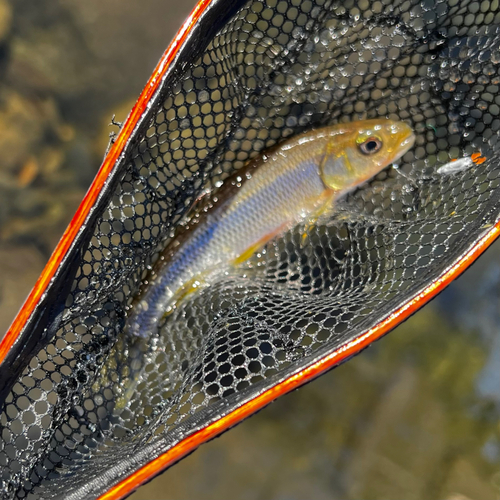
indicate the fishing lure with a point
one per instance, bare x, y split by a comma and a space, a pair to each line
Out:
460, 164
455, 166
297, 181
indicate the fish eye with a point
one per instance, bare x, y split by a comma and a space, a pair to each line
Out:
370, 145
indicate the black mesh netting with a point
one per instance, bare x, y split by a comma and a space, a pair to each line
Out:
95, 401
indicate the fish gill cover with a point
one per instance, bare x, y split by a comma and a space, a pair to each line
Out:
87, 404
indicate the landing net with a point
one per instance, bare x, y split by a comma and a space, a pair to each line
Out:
87, 405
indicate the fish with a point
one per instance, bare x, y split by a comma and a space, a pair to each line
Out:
299, 180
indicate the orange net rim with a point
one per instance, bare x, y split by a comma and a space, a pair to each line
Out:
126, 486
187, 445
110, 162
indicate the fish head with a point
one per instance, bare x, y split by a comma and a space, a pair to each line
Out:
360, 150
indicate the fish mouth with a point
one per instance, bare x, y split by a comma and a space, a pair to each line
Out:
407, 143
405, 140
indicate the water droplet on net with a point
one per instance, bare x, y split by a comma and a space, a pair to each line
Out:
325, 37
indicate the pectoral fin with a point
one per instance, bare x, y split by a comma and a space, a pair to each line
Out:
323, 209
258, 245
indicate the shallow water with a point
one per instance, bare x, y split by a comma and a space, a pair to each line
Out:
416, 416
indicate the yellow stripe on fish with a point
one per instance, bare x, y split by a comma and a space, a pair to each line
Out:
298, 181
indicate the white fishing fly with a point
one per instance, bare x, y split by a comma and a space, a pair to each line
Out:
455, 166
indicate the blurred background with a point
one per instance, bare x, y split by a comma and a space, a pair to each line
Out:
416, 416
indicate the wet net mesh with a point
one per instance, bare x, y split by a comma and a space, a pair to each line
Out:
96, 402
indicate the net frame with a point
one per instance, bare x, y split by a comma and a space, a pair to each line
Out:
23, 336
